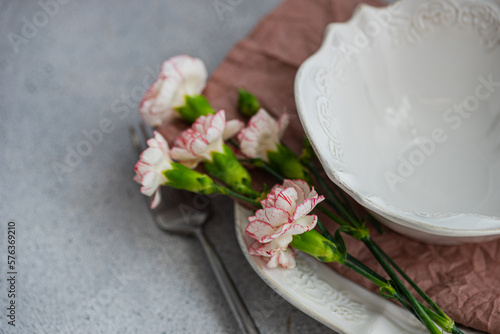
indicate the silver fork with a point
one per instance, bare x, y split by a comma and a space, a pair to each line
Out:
175, 215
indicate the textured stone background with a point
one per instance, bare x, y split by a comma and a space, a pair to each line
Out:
89, 257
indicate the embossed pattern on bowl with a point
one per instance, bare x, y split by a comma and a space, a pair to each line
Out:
402, 105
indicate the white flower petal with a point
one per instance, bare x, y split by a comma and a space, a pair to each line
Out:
232, 128
259, 230
156, 200
284, 215
153, 162
283, 124
273, 216
179, 76
287, 200
261, 135
198, 142
287, 259
306, 207
302, 225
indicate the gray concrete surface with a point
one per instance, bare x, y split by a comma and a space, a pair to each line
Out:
89, 258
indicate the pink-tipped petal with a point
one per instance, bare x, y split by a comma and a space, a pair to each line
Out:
302, 225
283, 124
284, 214
274, 256
287, 259
156, 200
306, 207
258, 230
273, 261
232, 128
262, 135
197, 143
151, 165
179, 76
273, 216
287, 200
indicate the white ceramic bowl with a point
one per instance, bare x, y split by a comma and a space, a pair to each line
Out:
402, 105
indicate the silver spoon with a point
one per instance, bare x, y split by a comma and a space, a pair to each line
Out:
182, 212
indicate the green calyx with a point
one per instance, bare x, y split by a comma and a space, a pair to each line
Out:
315, 244
248, 104
359, 232
387, 291
226, 167
307, 152
288, 164
194, 107
181, 177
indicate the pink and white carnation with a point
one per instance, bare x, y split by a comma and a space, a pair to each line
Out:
262, 134
179, 76
206, 135
149, 169
284, 214
282, 256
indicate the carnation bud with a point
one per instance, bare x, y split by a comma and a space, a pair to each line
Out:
182, 177
248, 104
315, 244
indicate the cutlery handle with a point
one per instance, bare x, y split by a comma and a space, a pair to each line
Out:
233, 298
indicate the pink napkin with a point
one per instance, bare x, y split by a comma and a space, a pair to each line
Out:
464, 280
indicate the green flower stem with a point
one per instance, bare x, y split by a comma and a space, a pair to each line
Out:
417, 307
404, 298
362, 270
325, 185
455, 330
349, 258
360, 264
259, 163
420, 311
332, 198
410, 281
226, 191
233, 142
349, 205
324, 231
356, 265
328, 248
332, 216
446, 322
375, 223
387, 290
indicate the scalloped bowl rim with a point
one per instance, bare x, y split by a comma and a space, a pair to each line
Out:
405, 218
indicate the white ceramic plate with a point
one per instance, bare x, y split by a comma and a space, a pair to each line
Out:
333, 300
402, 106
